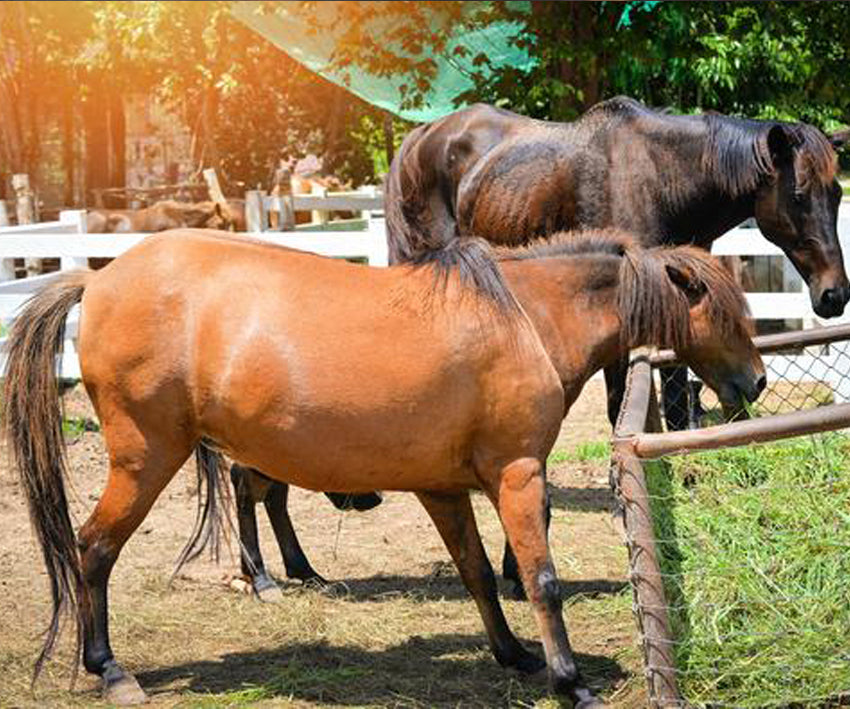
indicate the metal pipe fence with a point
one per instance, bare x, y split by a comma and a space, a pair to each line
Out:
808, 373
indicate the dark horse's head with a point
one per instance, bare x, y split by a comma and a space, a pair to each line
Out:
796, 207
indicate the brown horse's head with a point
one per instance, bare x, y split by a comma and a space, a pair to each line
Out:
797, 209
683, 298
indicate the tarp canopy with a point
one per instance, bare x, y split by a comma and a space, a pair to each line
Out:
288, 30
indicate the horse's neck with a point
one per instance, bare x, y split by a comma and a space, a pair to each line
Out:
574, 313
678, 201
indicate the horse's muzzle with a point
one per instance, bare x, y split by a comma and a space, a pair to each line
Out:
832, 302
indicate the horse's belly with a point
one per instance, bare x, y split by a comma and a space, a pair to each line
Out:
341, 454
352, 422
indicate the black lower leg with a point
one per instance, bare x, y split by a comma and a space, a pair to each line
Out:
296, 562
97, 565
251, 558
674, 389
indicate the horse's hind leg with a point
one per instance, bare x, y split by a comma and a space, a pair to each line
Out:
296, 562
249, 485
455, 520
520, 497
141, 464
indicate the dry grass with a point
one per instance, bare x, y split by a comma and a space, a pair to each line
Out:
399, 630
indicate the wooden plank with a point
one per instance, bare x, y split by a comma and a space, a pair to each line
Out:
211, 178
336, 225
42, 228
347, 202
766, 306
256, 216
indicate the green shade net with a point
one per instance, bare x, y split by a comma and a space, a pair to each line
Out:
288, 30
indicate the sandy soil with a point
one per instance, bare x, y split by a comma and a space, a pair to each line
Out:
396, 629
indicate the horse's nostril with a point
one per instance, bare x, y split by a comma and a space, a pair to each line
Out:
761, 383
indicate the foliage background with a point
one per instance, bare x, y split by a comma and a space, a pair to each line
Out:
68, 68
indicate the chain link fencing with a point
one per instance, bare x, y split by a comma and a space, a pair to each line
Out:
739, 533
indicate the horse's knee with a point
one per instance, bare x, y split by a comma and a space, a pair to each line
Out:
549, 590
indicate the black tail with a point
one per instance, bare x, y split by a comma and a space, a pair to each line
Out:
32, 423
213, 499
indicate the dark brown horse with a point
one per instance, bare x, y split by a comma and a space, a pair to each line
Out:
440, 388
668, 179
588, 349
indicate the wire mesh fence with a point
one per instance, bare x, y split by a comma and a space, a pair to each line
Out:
739, 556
800, 376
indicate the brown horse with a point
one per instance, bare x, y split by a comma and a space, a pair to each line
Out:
592, 345
440, 388
166, 215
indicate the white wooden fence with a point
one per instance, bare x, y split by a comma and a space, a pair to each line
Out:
67, 240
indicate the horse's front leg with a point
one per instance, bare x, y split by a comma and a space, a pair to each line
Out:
453, 516
248, 486
510, 568
519, 494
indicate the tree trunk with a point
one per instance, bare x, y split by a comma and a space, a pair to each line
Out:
97, 141
68, 152
117, 140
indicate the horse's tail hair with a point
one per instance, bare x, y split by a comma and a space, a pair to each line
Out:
32, 426
212, 518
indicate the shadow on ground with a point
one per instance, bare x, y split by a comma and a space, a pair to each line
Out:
438, 671
581, 499
442, 584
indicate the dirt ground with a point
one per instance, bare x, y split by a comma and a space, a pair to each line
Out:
396, 629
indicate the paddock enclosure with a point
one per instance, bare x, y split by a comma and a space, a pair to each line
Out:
397, 627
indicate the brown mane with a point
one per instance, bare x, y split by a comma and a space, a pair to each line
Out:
652, 308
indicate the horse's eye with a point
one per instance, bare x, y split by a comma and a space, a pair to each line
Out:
798, 197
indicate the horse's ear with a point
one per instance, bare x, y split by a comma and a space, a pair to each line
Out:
780, 144
684, 280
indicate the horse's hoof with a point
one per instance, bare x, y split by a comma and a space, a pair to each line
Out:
269, 594
123, 691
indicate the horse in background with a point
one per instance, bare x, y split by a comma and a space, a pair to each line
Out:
666, 178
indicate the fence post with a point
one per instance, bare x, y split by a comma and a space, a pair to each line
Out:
211, 178
256, 217
282, 193
77, 219
319, 216
638, 412
25, 208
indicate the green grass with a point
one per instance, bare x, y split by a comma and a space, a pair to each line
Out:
756, 542
585, 452
76, 426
